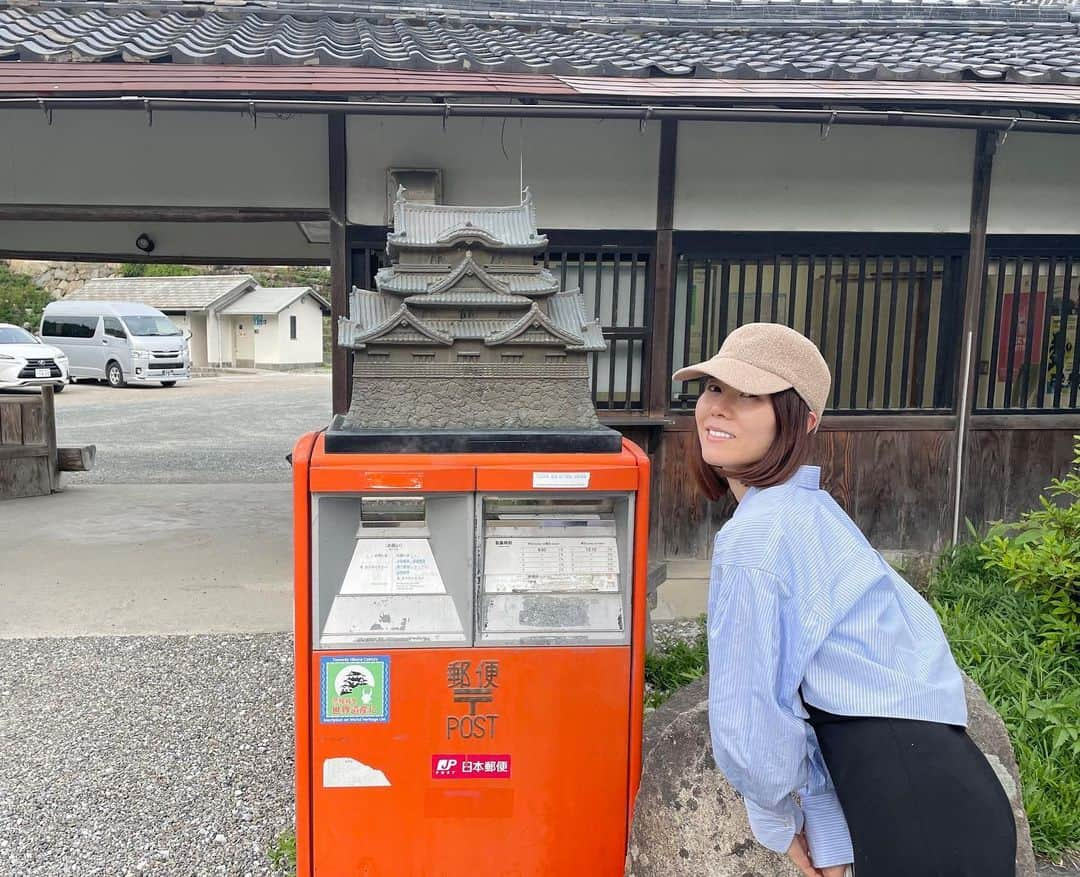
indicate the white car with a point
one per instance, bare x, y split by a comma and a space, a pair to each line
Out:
27, 362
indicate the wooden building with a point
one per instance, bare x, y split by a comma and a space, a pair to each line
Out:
898, 180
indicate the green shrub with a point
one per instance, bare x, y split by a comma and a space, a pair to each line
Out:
1040, 554
282, 853
145, 269
21, 300
998, 636
670, 668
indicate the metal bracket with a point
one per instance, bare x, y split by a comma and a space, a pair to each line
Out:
149, 114
644, 119
1004, 135
826, 127
254, 115
46, 109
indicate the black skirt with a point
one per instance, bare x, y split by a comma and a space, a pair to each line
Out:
920, 799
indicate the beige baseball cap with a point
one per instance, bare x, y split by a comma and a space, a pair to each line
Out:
765, 358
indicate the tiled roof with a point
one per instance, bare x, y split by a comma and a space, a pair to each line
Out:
405, 282
167, 293
417, 224
369, 308
568, 309
1010, 40
466, 299
273, 301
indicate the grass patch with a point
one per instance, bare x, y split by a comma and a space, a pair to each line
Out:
670, 668
282, 852
998, 638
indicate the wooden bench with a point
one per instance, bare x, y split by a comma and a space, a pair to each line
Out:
30, 461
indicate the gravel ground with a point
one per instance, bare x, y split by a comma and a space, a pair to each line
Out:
235, 428
159, 755
667, 633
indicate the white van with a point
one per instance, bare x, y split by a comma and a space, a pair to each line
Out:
117, 342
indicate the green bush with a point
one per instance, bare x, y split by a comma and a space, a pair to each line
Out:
282, 853
998, 634
1040, 554
144, 269
21, 301
670, 668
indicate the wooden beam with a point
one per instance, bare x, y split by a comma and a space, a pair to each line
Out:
132, 213
63, 256
77, 459
657, 378
18, 452
684, 422
966, 380
339, 260
998, 422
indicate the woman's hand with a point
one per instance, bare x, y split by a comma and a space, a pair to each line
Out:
798, 854
835, 871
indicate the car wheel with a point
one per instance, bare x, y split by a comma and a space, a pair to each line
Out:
168, 383
58, 388
114, 375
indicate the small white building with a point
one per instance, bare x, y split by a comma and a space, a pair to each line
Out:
277, 328
233, 321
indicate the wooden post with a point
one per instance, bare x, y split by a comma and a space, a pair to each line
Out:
48, 416
658, 379
339, 260
966, 380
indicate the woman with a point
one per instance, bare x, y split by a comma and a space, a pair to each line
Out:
835, 705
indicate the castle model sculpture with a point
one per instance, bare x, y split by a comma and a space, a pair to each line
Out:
467, 343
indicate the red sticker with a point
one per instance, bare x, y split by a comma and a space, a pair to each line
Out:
468, 766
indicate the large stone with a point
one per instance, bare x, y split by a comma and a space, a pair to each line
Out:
689, 822
988, 731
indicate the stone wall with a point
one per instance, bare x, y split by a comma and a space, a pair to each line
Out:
60, 279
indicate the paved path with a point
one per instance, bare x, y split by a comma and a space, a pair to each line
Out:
145, 559
184, 525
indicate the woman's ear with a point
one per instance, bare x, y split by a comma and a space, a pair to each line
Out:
812, 422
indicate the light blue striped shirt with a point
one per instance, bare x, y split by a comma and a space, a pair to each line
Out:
799, 597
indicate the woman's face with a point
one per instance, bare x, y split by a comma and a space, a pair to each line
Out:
735, 429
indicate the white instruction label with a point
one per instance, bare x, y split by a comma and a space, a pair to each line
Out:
531, 564
558, 480
392, 566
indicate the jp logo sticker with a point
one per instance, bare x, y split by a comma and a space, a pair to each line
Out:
355, 689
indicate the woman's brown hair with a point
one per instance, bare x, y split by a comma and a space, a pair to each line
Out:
789, 451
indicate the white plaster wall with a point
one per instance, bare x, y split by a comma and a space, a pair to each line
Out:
267, 344
1035, 186
175, 241
308, 344
183, 159
583, 173
219, 346
778, 177
198, 342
